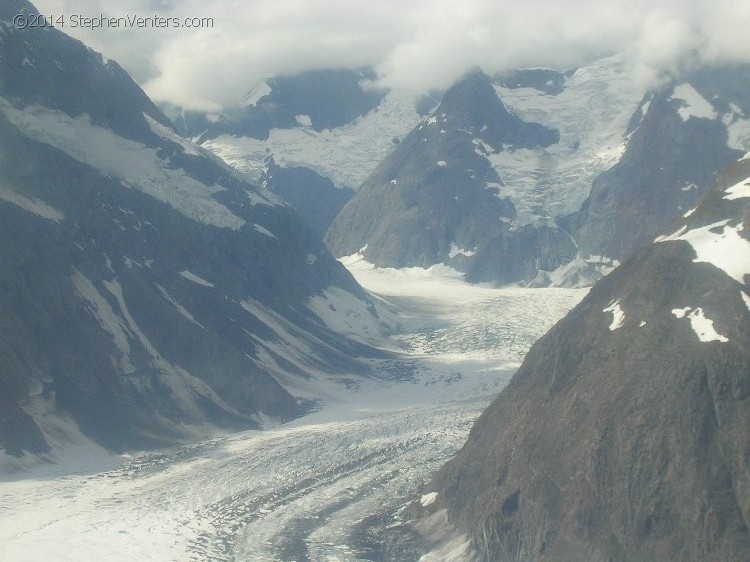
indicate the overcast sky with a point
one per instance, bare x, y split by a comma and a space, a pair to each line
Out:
416, 44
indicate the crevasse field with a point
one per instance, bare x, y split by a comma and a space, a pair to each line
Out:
299, 491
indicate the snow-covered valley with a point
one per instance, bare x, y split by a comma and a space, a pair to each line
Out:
302, 490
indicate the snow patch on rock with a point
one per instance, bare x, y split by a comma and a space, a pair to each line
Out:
726, 249
456, 251
428, 499
701, 325
618, 315
693, 104
739, 190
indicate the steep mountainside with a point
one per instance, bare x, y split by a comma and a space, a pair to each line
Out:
680, 139
626, 432
315, 197
147, 291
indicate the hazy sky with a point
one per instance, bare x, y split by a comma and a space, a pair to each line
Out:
415, 44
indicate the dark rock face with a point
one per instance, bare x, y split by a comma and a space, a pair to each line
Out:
314, 197
668, 165
330, 98
545, 80
436, 198
626, 432
146, 289
42, 66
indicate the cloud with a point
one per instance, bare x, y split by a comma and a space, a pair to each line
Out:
417, 44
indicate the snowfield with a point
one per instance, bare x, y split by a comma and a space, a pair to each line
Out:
299, 491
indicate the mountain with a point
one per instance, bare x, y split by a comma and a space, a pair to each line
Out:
322, 129
148, 292
679, 140
437, 197
625, 434
503, 227
320, 99
312, 195
559, 210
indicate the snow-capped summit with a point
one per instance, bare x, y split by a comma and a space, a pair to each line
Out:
149, 292
625, 433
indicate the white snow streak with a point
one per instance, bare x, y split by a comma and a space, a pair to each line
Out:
264, 230
107, 318
195, 279
34, 206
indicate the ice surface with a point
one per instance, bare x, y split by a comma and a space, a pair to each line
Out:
618, 316
693, 104
301, 490
726, 249
702, 326
135, 165
345, 154
592, 114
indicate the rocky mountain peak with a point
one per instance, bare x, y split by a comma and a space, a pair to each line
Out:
472, 106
